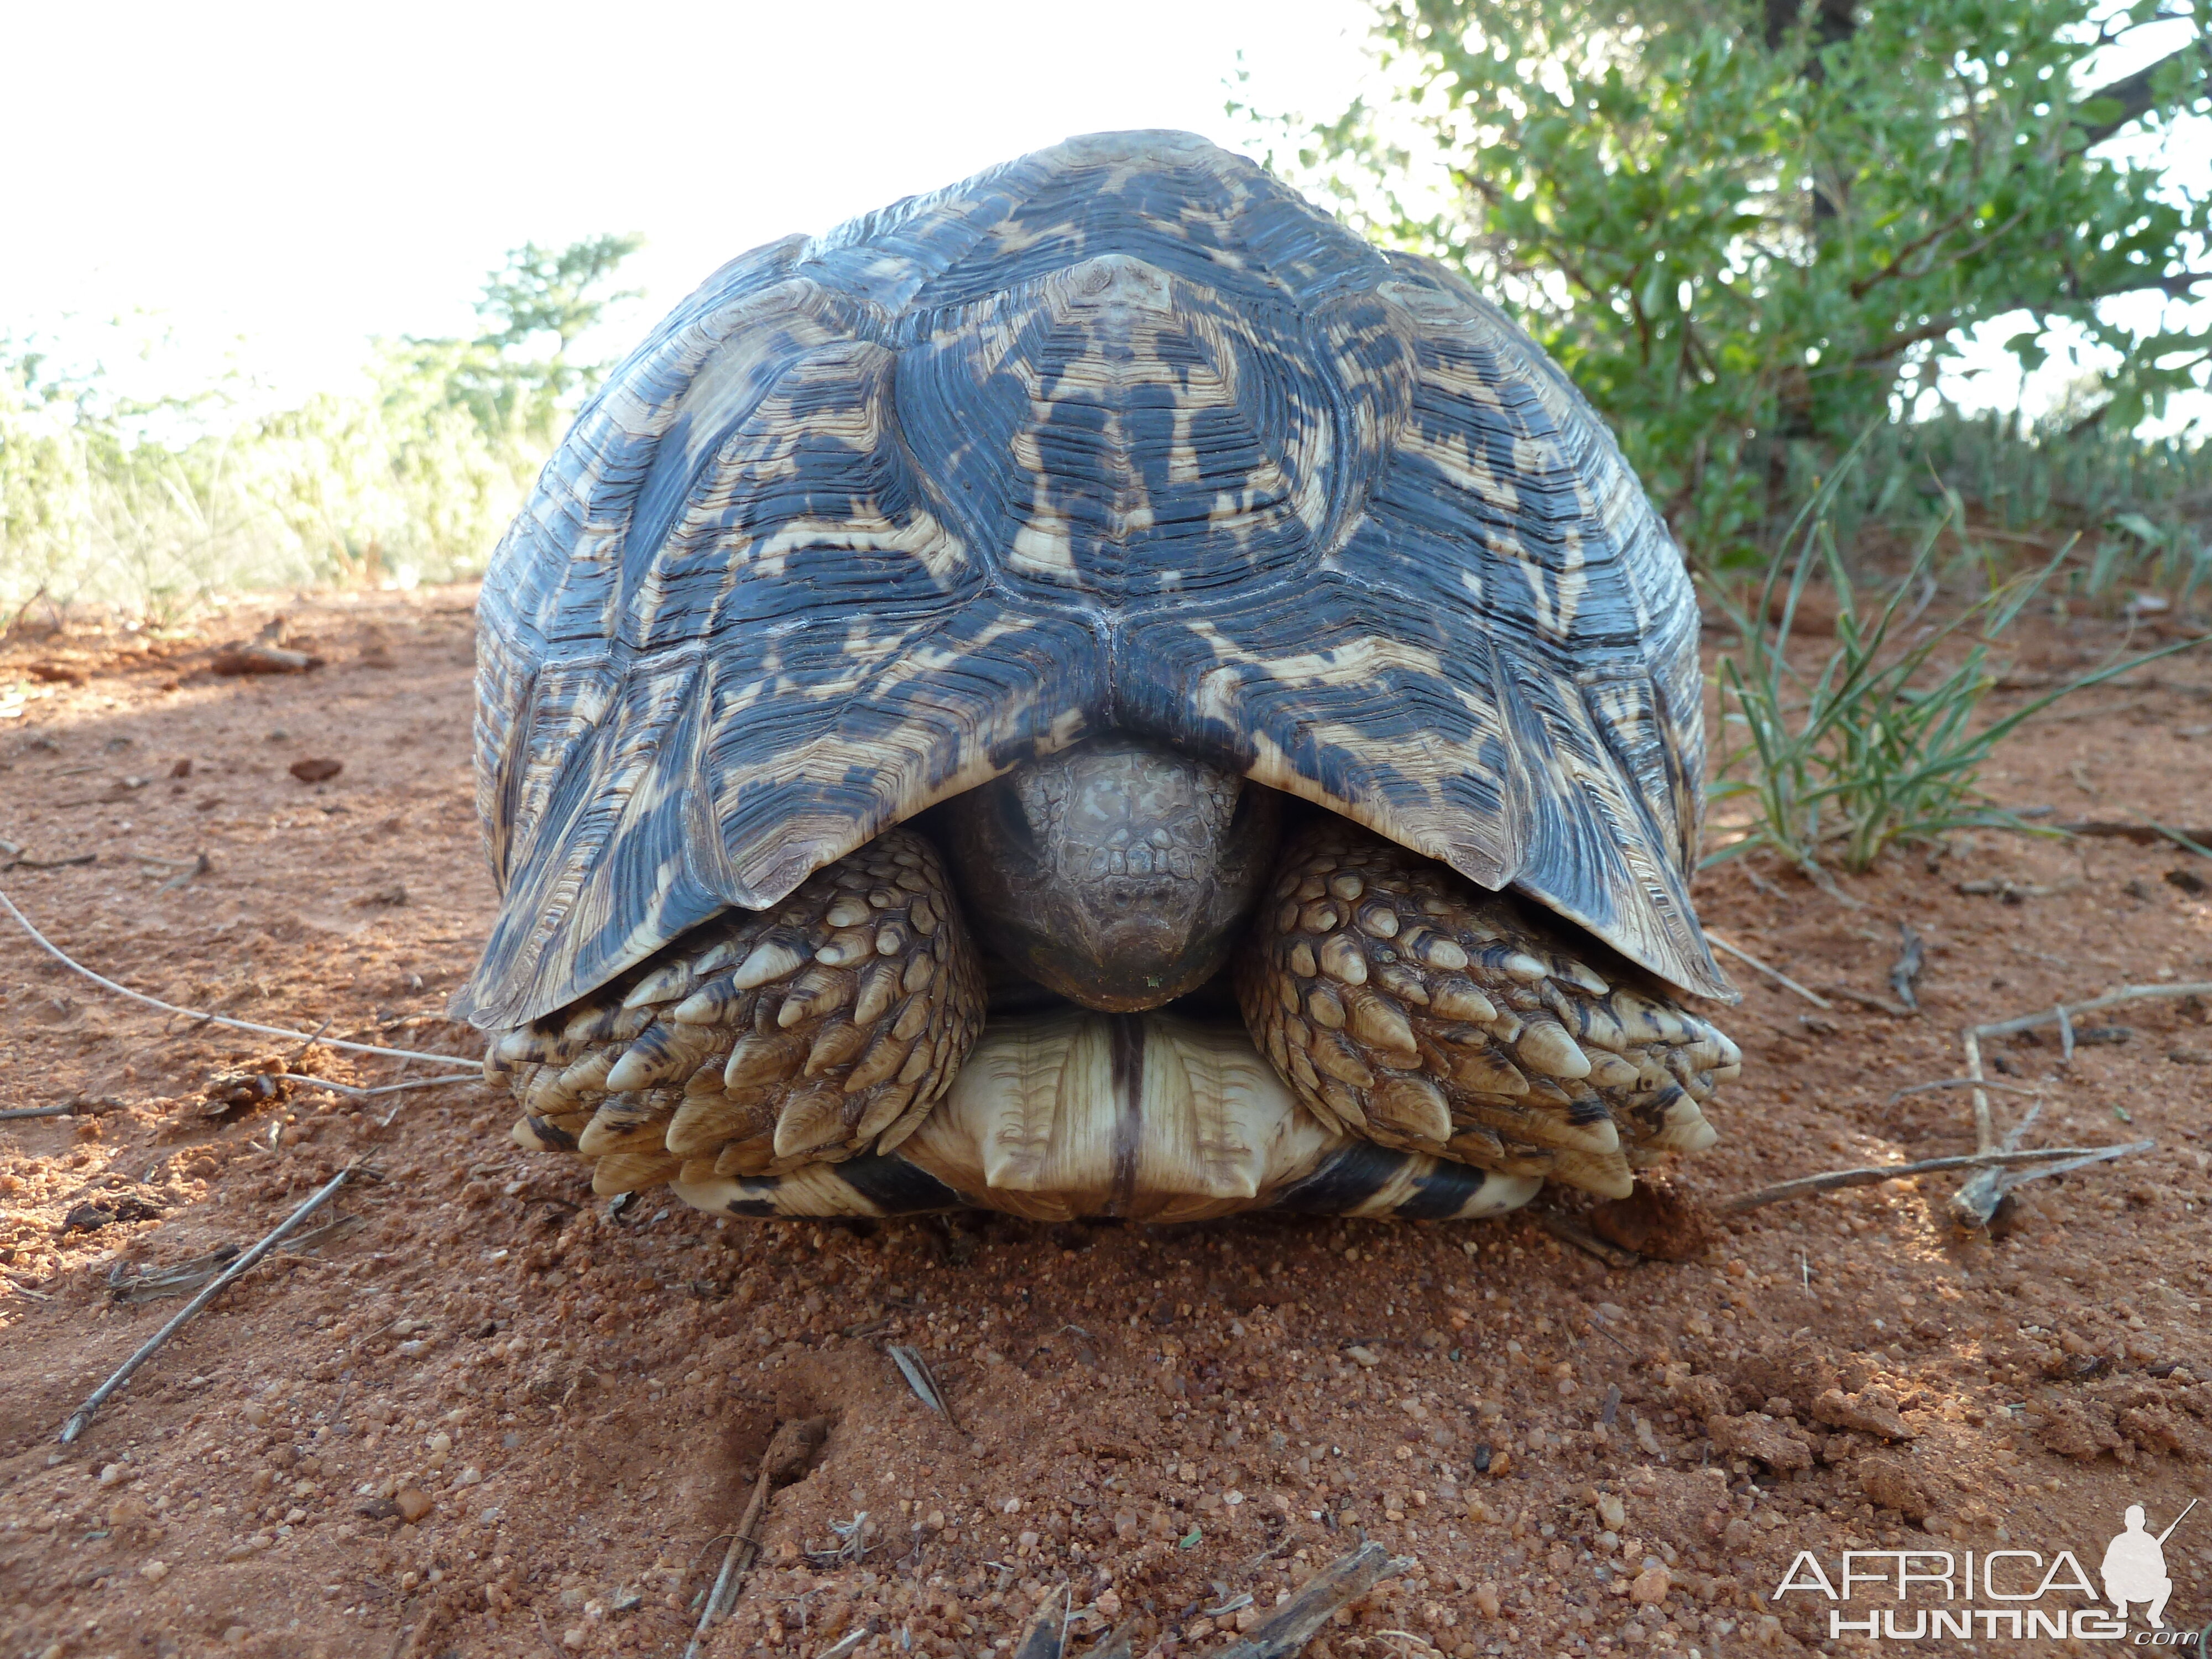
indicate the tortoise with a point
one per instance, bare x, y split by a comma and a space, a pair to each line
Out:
1094, 692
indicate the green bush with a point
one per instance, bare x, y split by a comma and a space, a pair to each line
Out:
1744, 231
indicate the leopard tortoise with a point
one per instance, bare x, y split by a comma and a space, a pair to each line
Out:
1093, 692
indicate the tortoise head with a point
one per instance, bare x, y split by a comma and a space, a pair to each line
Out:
1119, 874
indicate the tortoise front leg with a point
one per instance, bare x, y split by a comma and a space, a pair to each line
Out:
1408, 1006
764, 1042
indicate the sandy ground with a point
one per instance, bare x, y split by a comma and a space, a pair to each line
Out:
1578, 1458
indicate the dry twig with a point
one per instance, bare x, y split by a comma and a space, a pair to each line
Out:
82, 1415
2073, 1011
1904, 973
1774, 974
383, 1089
2187, 840
1338, 1584
1976, 1203
736, 1561
2064, 1157
1047, 1635
104, 983
1568, 1230
1871, 1002
2145, 832
919, 1377
790, 1449
1958, 1083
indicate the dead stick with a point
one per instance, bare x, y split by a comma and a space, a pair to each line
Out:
1774, 974
1875, 1175
1960, 1083
387, 1089
2143, 832
1985, 1131
15, 1113
2074, 1010
733, 1572
82, 1415
2186, 842
1975, 1201
104, 983
1342, 1582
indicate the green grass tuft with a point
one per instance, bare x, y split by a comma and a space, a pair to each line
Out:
1883, 740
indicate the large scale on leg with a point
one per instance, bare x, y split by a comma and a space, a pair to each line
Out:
1094, 691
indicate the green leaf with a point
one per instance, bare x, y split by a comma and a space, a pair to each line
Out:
1930, 177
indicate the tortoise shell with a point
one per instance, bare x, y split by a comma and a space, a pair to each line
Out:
1121, 435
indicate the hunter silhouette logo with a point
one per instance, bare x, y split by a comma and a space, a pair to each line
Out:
2003, 1594
2135, 1566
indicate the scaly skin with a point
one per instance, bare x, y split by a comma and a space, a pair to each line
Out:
764, 1041
1400, 1000
1399, 1004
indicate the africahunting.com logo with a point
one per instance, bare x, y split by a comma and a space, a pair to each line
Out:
1917, 1596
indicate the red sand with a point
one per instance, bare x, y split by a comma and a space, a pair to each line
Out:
1167, 1420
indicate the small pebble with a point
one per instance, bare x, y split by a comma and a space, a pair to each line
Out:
412, 1503
111, 1475
1650, 1587
154, 1572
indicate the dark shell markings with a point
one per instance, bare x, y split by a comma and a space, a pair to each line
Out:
1120, 440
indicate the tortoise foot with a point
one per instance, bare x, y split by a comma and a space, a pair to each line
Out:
762, 1042
1403, 1003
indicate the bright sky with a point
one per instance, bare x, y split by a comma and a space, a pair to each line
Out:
276, 184
307, 175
